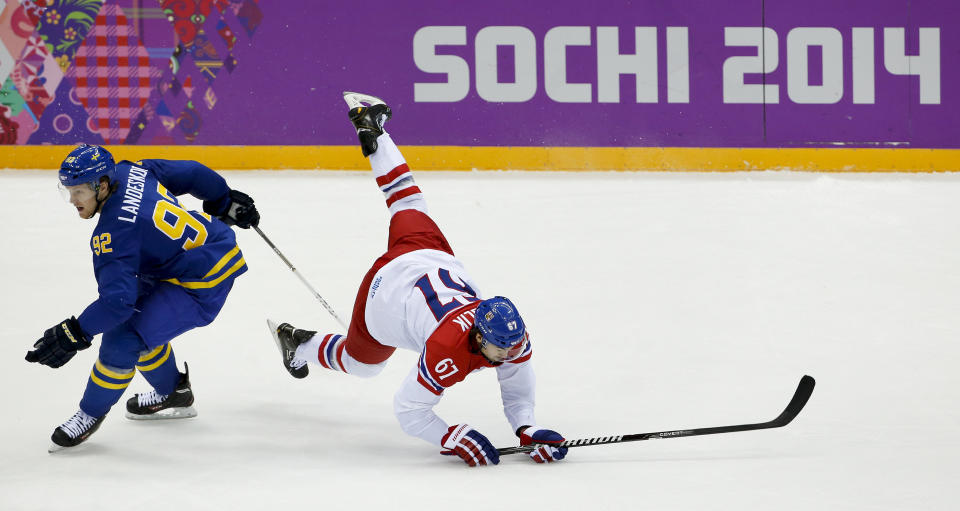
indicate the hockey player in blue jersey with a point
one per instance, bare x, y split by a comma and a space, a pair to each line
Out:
161, 270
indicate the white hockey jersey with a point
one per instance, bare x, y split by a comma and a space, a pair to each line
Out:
424, 301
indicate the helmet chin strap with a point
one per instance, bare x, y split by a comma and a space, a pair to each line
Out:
480, 345
96, 194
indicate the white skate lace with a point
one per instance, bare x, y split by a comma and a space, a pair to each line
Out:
296, 362
77, 424
150, 398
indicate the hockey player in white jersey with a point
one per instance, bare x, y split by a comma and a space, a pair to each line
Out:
419, 296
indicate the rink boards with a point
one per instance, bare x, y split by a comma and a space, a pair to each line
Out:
525, 158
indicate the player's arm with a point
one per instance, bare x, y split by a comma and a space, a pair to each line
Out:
116, 257
116, 260
413, 405
190, 177
117, 285
518, 392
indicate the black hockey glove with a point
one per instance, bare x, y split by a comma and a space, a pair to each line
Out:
239, 210
59, 344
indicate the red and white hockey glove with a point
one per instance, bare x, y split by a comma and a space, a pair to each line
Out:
547, 439
472, 447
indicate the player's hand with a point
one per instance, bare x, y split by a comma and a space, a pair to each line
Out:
472, 447
546, 440
59, 344
239, 210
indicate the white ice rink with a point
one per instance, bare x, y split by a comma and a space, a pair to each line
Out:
656, 301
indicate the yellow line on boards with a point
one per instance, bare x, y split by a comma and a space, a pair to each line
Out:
839, 159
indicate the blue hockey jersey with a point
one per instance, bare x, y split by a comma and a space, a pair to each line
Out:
145, 235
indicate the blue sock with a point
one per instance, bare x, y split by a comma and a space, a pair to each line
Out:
104, 388
114, 370
159, 367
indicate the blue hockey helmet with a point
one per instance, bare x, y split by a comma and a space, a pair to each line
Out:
500, 323
86, 164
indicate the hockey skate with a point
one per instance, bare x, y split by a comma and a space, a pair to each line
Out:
368, 114
75, 431
153, 406
288, 338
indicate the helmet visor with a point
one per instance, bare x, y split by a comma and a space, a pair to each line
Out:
498, 354
77, 193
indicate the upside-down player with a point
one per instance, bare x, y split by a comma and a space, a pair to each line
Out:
418, 296
161, 270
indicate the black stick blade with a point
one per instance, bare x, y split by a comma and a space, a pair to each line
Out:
799, 400
796, 404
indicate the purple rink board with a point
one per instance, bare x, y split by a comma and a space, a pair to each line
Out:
687, 73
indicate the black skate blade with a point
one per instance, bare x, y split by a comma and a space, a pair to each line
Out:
272, 325
180, 412
359, 99
55, 448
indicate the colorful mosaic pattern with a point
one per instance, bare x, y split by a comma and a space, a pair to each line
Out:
123, 71
112, 75
66, 121
63, 24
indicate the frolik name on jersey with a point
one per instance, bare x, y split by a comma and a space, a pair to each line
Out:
133, 193
465, 319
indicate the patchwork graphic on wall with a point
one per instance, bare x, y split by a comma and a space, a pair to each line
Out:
637, 73
125, 71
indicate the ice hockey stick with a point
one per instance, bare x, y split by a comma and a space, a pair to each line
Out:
800, 397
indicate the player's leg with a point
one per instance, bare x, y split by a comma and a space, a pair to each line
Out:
410, 229
113, 371
158, 365
301, 348
165, 313
413, 229
171, 396
359, 353
394, 178
109, 378
368, 114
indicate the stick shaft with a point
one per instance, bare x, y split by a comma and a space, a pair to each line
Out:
299, 276
800, 398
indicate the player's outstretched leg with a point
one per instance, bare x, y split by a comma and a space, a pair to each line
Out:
389, 167
299, 347
73, 432
176, 405
288, 339
368, 113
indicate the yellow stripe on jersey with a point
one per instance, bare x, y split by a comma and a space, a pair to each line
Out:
223, 262
207, 284
212, 283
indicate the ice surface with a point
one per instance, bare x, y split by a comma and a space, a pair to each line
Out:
655, 301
